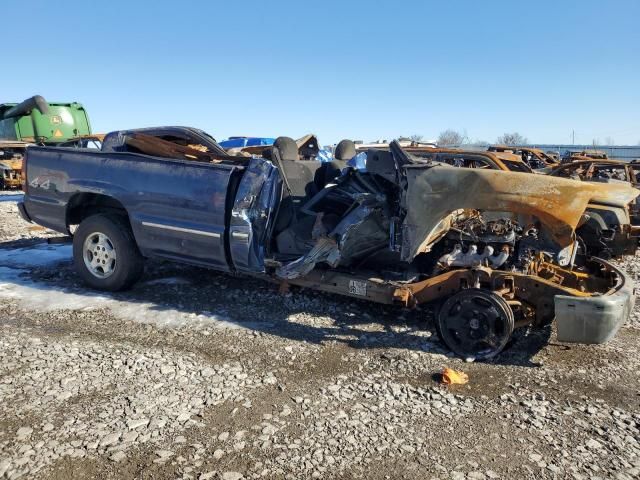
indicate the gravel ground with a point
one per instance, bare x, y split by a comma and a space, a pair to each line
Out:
199, 375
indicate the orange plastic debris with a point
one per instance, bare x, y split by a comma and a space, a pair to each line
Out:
454, 377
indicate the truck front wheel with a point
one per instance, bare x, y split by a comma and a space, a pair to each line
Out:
105, 253
475, 323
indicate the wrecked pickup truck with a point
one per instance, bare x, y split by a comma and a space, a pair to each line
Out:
496, 250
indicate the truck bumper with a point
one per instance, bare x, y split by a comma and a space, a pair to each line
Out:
595, 319
23, 212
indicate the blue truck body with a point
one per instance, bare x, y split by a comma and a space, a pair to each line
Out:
193, 212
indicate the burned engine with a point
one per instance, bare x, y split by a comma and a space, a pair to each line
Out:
487, 240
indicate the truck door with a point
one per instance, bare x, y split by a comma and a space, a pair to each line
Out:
178, 210
253, 214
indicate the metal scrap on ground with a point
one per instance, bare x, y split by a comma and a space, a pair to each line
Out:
454, 377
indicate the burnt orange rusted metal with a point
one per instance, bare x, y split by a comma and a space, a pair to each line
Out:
532, 295
497, 160
437, 192
11, 174
537, 153
588, 155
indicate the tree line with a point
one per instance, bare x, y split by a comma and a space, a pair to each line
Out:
451, 137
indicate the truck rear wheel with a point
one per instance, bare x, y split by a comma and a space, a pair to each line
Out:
475, 323
105, 253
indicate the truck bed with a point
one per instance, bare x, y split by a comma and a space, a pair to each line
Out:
177, 209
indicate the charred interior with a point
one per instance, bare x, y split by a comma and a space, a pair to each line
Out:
356, 221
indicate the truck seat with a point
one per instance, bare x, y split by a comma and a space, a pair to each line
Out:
299, 179
344, 152
299, 175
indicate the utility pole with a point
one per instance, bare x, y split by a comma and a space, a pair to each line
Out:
573, 137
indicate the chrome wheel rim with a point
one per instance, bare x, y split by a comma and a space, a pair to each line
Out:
99, 255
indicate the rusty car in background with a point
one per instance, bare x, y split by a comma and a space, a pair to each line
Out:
11, 164
536, 158
609, 227
505, 161
603, 171
496, 249
580, 155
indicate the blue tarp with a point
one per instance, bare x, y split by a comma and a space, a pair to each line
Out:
241, 142
324, 156
359, 162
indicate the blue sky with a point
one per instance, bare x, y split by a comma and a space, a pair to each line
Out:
362, 70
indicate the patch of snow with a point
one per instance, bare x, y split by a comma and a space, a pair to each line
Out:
37, 256
40, 296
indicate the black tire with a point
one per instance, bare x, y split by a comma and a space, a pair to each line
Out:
475, 323
123, 268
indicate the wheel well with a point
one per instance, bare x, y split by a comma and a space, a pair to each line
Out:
83, 205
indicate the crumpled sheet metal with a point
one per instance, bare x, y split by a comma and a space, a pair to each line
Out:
434, 193
324, 250
344, 241
252, 213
